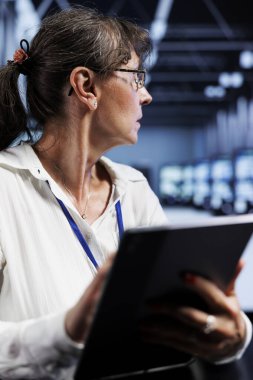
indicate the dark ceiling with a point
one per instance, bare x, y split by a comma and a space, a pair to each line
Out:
203, 38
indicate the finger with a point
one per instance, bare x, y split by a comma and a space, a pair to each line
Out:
79, 318
192, 317
188, 342
174, 334
231, 286
224, 325
213, 296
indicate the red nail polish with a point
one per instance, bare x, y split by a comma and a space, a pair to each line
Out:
189, 278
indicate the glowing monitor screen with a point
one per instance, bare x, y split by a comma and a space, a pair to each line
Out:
187, 183
221, 169
201, 171
244, 164
170, 179
221, 178
201, 184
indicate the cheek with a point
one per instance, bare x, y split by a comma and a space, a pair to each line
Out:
119, 102
128, 106
124, 95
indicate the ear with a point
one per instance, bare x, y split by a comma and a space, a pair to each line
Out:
82, 82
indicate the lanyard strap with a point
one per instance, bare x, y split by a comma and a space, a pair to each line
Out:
119, 219
79, 235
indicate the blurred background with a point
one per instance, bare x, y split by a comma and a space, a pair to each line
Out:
196, 142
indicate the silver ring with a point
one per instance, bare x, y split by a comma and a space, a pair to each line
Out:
210, 324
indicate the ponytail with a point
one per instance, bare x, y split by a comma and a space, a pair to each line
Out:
13, 117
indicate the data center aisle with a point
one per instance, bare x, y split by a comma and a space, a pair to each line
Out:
177, 214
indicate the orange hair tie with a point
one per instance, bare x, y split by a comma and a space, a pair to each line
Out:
20, 56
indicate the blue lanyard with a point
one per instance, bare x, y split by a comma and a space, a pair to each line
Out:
79, 235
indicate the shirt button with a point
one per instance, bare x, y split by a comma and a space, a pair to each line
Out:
14, 350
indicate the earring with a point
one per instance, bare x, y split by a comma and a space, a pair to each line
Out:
95, 104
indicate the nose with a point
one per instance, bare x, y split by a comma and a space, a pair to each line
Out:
145, 97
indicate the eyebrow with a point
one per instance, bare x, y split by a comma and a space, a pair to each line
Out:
135, 68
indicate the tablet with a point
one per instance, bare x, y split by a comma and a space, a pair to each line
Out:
149, 264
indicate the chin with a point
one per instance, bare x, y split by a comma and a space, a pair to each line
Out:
133, 139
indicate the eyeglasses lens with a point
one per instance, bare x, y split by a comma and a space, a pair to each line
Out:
140, 80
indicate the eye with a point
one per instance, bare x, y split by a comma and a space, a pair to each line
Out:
139, 80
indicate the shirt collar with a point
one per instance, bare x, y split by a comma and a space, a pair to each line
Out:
121, 174
23, 157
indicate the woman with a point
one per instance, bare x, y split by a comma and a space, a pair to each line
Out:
85, 89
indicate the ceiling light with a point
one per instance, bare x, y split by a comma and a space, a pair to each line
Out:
224, 80
246, 59
234, 79
237, 79
214, 91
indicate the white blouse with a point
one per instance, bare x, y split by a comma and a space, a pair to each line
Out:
43, 268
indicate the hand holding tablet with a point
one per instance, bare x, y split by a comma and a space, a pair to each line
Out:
183, 270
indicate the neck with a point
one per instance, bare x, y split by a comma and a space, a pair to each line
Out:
70, 161
70, 155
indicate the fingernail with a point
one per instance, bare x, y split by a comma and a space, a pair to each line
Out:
189, 278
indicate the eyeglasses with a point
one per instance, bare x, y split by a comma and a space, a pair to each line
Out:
139, 79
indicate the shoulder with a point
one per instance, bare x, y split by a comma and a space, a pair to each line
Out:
15, 162
6, 167
9, 163
15, 157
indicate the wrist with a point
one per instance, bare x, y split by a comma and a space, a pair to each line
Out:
74, 326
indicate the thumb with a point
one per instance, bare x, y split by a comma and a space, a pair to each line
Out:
231, 287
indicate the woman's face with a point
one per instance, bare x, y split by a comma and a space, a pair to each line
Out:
120, 106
